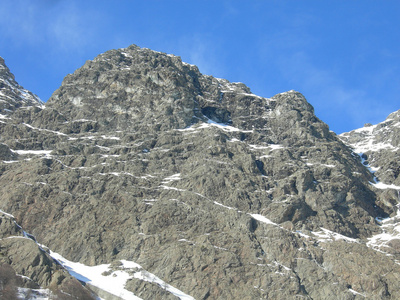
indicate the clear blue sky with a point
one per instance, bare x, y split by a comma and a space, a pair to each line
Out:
343, 55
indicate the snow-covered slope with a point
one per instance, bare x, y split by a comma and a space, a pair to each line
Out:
374, 138
379, 149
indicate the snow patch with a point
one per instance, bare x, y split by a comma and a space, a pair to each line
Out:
34, 294
263, 219
146, 276
47, 130
356, 293
172, 178
34, 152
6, 214
114, 282
194, 128
383, 186
390, 231
328, 236
171, 188
228, 207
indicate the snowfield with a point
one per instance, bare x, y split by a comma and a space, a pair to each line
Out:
114, 282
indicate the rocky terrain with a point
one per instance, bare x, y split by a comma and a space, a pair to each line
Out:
209, 188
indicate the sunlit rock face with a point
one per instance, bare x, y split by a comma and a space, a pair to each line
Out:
12, 95
216, 191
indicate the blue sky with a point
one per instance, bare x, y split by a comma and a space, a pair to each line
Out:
343, 55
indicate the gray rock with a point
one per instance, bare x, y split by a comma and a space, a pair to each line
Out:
33, 265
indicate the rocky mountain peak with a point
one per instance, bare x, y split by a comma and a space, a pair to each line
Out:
12, 95
138, 89
4, 71
120, 87
223, 193
379, 147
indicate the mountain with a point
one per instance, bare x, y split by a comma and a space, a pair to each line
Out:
12, 95
188, 186
379, 149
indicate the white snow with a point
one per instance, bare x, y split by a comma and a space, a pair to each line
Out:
146, 276
253, 95
303, 235
114, 283
171, 178
263, 219
130, 264
371, 145
35, 152
220, 248
368, 141
382, 186
47, 130
8, 215
258, 147
390, 231
171, 188
110, 137
210, 124
187, 241
366, 129
215, 202
276, 147
80, 120
226, 127
328, 236
149, 200
126, 54
329, 166
34, 294
325, 165
356, 293
278, 264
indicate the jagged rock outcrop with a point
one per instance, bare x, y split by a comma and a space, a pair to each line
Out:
12, 95
33, 266
220, 192
379, 147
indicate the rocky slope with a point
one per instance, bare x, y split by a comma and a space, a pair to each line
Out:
379, 148
32, 266
219, 192
12, 95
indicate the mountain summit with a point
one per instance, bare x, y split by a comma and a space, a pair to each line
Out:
203, 187
12, 95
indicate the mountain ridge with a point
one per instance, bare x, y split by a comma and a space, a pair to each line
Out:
220, 192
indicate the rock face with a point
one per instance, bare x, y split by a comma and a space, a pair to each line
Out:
219, 192
12, 95
34, 267
379, 147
